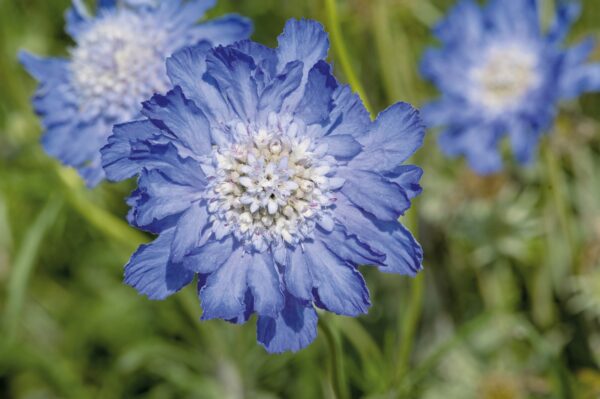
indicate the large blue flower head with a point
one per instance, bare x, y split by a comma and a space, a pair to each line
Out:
266, 178
117, 62
501, 74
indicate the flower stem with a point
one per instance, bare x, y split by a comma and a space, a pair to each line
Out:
556, 186
412, 313
340, 49
337, 358
101, 219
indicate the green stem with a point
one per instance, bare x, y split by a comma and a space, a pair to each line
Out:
340, 49
104, 221
25, 263
556, 186
337, 358
412, 313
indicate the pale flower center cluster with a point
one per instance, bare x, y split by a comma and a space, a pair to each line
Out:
505, 76
272, 185
117, 63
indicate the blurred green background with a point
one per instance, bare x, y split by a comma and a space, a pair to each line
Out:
508, 306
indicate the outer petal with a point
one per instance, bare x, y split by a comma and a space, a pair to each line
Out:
232, 72
264, 282
464, 24
43, 69
302, 40
77, 18
338, 287
188, 231
403, 253
224, 30
158, 198
272, 98
224, 293
349, 115
375, 194
293, 329
341, 146
317, 102
182, 119
185, 69
396, 134
150, 272
298, 279
350, 248
210, 256
515, 18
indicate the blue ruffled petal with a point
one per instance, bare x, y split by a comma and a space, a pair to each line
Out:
272, 98
188, 231
375, 194
208, 257
396, 134
403, 254
265, 285
152, 274
293, 329
182, 119
223, 296
232, 72
338, 287
317, 102
224, 30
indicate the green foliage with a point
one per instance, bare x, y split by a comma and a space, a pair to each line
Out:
508, 306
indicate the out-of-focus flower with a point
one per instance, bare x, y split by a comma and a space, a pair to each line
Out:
117, 62
266, 178
501, 74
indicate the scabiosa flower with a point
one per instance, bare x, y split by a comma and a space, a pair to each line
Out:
266, 178
117, 62
501, 74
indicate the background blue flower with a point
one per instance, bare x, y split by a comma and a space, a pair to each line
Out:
266, 178
501, 74
117, 62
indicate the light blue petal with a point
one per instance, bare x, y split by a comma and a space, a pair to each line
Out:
374, 194
43, 69
349, 248
566, 14
159, 198
341, 146
265, 284
210, 256
317, 102
338, 287
188, 231
150, 272
349, 115
185, 69
396, 134
403, 254
464, 24
77, 18
272, 98
223, 295
514, 18
182, 119
294, 329
232, 72
297, 277
223, 30
408, 177
302, 40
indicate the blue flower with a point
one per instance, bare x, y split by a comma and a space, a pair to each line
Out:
117, 62
500, 75
266, 178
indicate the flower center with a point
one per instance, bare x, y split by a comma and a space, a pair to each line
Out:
505, 76
118, 63
271, 185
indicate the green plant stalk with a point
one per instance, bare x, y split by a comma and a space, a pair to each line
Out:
102, 220
25, 263
336, 356
556, 186
339, 46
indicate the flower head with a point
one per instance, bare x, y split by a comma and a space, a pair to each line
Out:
117, 62
501, 74
265, 177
